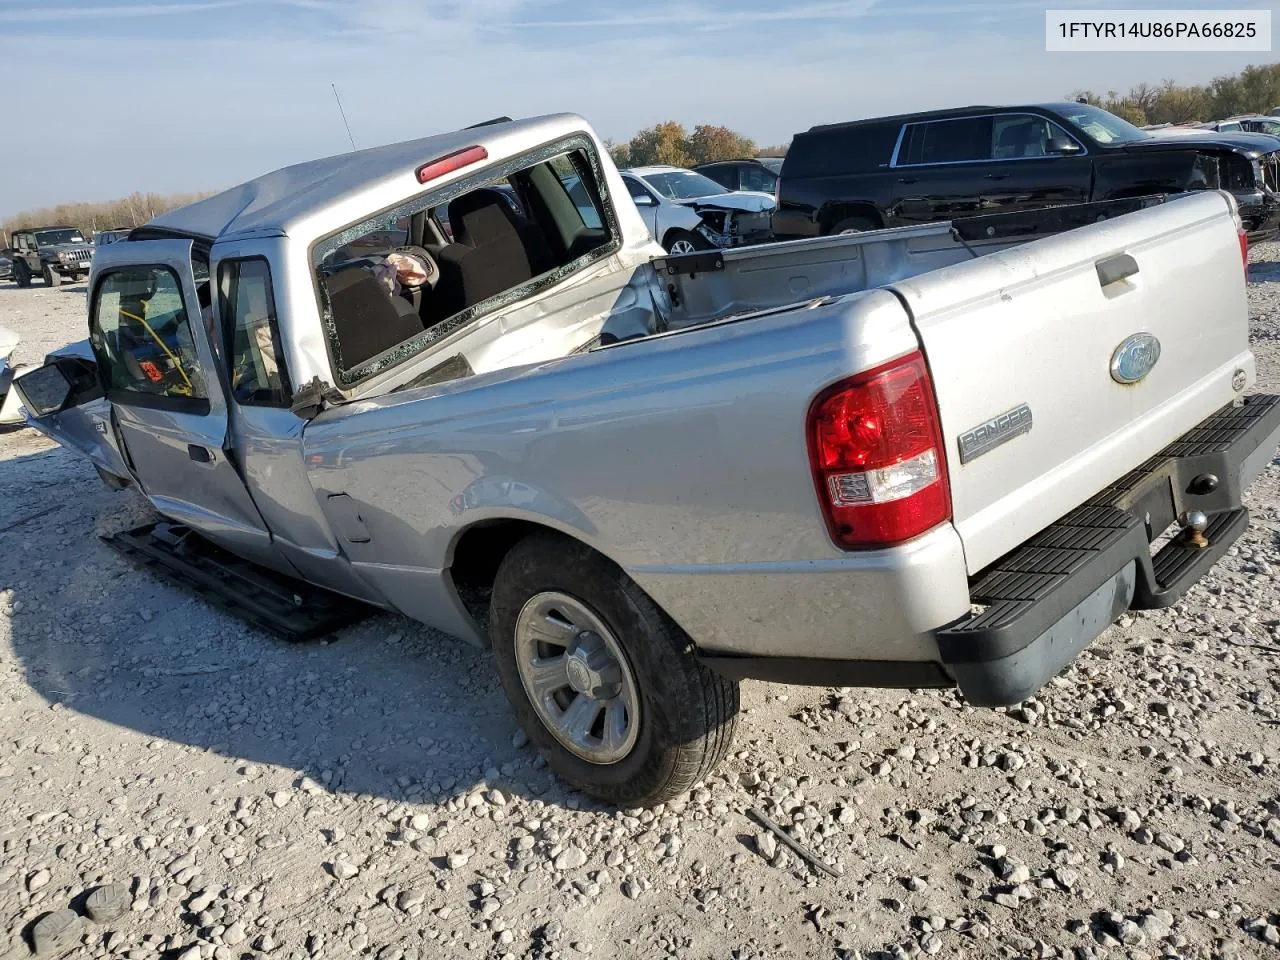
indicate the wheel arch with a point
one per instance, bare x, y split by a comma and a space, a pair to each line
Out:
833, 213
477, 550
671, 231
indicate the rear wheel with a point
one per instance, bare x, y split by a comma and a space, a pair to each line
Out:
680, 242
603, 682
855, 225
21, 273
52, 278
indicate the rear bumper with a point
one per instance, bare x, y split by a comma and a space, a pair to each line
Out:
1046, 601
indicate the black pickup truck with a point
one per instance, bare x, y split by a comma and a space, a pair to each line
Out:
949, 164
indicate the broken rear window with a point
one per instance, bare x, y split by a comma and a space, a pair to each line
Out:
466, 250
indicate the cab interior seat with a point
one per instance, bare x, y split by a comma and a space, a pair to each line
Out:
368, 319
567, 237
493, 250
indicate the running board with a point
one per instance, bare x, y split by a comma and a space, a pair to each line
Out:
290, 608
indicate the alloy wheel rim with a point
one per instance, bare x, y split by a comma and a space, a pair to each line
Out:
683, 246
577, 677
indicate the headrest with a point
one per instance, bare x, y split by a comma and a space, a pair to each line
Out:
1017, 135
481, 215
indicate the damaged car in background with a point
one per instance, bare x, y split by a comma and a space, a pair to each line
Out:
948, 455
686, 211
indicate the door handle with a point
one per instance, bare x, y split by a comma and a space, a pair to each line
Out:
908, 180
199, 454
1114, 269
997, 176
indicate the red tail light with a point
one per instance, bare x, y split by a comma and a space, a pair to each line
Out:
879, 464
451, 162
1243, 237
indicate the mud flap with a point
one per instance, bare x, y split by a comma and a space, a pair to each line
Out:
290, 608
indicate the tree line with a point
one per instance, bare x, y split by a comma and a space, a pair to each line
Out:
131, 211
670, 143
1255, 89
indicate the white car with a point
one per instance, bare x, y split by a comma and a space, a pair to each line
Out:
686, 211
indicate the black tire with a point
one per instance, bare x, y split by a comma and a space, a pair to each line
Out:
855, 225
52, 278
21, 273
682, 237
688, 713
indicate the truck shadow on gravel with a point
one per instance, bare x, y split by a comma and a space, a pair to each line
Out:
387, 708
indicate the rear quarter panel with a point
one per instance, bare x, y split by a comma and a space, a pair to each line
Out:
682, 458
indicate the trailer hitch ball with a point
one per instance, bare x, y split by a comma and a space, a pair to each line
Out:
1194, 523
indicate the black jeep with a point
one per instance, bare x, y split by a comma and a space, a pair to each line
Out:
52, 253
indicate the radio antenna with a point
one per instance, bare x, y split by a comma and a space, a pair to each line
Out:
344, 115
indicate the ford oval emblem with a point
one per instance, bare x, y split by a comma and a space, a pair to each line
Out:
1134, 358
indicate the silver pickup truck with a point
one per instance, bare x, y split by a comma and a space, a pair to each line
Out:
945, 455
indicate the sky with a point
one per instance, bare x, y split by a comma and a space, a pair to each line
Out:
108, 97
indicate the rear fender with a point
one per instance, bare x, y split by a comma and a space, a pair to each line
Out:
833, 213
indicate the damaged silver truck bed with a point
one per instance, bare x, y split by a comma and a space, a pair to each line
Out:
921, 457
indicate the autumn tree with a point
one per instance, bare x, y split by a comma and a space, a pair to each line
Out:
1128, 110
670, 143
664, 142
1179, 104
1254, 89
708, 144
620, 153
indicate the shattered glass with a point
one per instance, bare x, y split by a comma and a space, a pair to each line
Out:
579, 151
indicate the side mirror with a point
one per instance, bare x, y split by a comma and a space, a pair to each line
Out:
1063, 147
43, 391
645, 201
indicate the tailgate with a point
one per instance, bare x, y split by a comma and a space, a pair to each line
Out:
1027, 338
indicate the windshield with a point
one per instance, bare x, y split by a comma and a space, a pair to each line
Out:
1265, 126
47, 238
1102, 126
683, 184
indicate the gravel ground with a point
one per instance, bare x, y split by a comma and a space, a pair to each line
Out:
175, 784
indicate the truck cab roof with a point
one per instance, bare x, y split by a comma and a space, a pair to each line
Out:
307, 199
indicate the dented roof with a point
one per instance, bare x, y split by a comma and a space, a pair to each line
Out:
318, 195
